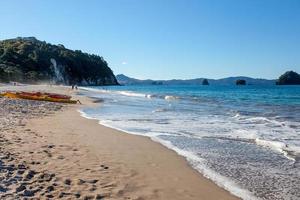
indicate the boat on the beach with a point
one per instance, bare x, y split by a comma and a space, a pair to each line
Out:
40, 96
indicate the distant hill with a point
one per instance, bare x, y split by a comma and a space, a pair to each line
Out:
26, 59
125, 80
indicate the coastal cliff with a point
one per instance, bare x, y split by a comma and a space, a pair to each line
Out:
28, 60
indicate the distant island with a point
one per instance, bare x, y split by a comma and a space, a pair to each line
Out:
125, 80
28, 60
289, 78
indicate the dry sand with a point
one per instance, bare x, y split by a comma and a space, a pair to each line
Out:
50, 151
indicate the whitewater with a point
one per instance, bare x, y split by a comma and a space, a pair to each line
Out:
246, 139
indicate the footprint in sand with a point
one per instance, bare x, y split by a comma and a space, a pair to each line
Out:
46, 177
89, 197
92, 181
48, 153
30, 175
67, 182
80, 182
104, 167
50, 188
99, 196
77, 195
60, 157
63, 194
93, 188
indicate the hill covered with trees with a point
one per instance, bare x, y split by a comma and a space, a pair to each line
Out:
29, 60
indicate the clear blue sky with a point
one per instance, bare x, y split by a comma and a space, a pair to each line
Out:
163, 39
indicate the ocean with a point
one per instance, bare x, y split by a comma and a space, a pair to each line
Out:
244, 138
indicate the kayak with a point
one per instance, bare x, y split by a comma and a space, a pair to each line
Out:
39, 97
58, 96
51, 95
9, 95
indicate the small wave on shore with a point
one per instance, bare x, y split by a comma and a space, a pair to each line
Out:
132, 94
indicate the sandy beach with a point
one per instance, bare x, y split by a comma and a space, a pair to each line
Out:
49, 151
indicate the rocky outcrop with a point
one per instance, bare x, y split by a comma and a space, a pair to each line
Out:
289, 78
240, 82
205, 82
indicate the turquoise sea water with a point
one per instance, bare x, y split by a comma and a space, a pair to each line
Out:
245, 138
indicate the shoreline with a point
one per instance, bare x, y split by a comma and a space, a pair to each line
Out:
192, 161
125, 165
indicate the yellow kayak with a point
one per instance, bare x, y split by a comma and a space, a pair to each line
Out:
9, 95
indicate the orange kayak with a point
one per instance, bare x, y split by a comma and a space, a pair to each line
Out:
51, 95
38, 97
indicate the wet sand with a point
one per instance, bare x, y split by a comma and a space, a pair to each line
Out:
49, 151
